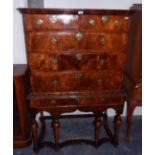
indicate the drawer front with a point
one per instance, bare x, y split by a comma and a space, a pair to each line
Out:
50, 22
46, 42
36, 103
76, 61
44, 62
103, 41
111, 61
109, 23
101, 100
75, 81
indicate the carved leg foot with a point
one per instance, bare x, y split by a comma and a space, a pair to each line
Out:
106, 127
97, 129
117, 125
35, 136
129, 120
56, 125
43, 127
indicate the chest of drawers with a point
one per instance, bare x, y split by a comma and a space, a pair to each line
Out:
76, 62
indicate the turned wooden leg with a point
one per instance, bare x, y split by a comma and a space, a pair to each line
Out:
97, 129
35, 135
56, 125
106, 126
43, 127
117, 125
131, 108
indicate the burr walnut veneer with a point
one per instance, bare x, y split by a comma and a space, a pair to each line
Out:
76, 62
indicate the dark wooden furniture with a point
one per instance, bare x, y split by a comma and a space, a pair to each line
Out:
76, 60
133, 101
134, 66
21, 120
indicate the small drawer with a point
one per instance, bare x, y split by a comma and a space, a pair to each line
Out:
47, 42
46, 103
111, 60
104, 23
78, 61
43, 62
50, 22
76, 81
101, 100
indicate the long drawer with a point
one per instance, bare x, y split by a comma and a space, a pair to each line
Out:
35, 103
76, 61
46, 42
76, 81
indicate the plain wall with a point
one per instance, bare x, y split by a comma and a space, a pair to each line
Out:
19, 52
102, 4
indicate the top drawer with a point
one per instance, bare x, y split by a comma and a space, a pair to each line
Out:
50, 22
88, 23
103, 23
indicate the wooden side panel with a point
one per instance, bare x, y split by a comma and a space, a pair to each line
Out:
134, 52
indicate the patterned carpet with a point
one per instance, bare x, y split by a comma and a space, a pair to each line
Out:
83, 128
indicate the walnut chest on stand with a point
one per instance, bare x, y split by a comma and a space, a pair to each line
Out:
76, 62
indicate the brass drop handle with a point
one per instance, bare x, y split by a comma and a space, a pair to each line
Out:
55, 83
116, 22
79, 36
53, 40
52, 19
79, 56
92, 22
66, 21
103, 99
137, 86
101, 61
105, 19
126, 17
54, 61
77, 100
53, 101
102, 40
78, 76
39, 22
99, 81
